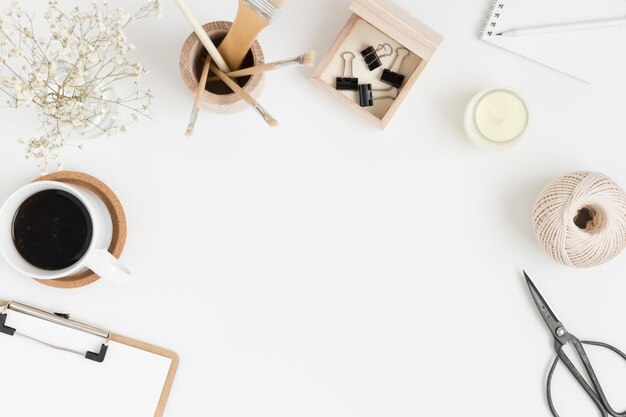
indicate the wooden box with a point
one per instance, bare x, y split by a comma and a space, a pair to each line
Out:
375, 22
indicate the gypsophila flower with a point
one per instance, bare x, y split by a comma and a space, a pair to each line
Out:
67, 76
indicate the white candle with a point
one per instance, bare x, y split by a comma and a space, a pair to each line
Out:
496, 118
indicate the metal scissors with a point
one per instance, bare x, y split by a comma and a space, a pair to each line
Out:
561, 338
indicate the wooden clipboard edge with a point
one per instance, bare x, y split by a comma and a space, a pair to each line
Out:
169, 381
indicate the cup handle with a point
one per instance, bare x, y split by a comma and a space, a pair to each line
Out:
108, 267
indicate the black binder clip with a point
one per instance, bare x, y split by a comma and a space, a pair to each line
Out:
367, 97
371, 57
3, 327
343, 82
391, 77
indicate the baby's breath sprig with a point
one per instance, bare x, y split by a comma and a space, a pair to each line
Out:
68, 75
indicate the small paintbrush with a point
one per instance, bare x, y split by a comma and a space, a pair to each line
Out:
307, 60
199, 93
204, 38
245, 96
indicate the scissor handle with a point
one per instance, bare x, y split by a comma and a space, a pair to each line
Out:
597, 395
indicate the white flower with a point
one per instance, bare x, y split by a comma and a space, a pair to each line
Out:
7, 30
40, 76
15, 53
122, 16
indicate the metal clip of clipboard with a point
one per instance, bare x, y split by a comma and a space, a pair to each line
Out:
61, 320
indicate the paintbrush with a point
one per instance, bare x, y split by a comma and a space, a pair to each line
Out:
199, 93
252, 17
307, 59
204, 38
245, 96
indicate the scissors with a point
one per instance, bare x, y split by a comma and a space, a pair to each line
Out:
561, 338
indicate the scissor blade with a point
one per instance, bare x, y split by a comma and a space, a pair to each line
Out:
546, 312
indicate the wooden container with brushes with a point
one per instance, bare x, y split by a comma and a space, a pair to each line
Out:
217, 96
374, 23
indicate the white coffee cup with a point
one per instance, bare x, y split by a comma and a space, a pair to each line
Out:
96, 258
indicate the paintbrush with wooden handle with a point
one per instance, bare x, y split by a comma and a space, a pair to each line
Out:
199, 93
252, 17
204, 38
245, 96
307, 60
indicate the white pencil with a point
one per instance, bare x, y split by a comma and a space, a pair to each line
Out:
565, 27
204, 38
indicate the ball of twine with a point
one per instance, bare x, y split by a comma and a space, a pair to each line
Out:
580, 219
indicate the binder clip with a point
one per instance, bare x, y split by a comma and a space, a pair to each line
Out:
367, 97
391, 77
371, 57
3, 327
343, 82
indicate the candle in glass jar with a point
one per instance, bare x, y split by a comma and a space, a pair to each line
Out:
496, 118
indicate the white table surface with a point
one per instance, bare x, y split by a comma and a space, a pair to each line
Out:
327, 268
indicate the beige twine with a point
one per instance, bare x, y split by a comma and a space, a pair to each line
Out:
580, 219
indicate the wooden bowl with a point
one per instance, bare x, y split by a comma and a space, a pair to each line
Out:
217, 96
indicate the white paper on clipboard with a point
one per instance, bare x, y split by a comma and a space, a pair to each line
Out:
41, 381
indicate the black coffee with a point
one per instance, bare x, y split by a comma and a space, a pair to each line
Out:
52, 230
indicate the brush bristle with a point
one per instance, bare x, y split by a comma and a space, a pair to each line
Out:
308, 59
272, 122
189, 132
268, 9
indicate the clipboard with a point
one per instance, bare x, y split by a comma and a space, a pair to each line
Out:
57, 366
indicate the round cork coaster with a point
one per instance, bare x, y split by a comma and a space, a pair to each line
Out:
117, 215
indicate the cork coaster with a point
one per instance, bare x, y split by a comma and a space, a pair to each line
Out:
117, 215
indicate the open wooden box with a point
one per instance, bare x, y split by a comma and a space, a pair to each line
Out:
375, 22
